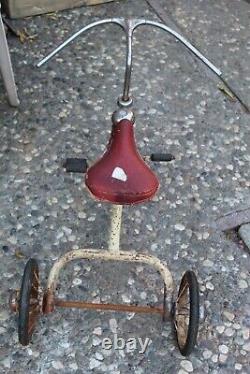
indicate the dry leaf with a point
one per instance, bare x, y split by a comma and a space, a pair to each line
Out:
19, 254
226, 92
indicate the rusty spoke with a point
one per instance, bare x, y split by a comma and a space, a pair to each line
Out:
183, 314
37, 278
175, 325
31, 327
35, 309
182, 292
33, 301
184, 308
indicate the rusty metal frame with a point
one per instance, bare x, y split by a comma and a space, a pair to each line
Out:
104, 255
112, 254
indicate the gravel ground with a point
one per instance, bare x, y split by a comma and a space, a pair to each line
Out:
65, 112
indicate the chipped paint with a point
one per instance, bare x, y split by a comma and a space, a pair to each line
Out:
119, 173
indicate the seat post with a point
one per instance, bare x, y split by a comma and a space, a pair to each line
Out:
115, 229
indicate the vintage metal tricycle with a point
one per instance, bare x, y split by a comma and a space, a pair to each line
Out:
121, 177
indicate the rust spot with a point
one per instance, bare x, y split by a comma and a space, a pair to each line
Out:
48, 302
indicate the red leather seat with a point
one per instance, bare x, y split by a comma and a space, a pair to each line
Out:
121, 176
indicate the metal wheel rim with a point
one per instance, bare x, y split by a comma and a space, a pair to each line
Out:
182, 315
33, 304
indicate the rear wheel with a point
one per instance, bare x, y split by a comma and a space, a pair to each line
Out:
186, 313
28, 305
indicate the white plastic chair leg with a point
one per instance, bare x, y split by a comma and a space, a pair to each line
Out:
6, 67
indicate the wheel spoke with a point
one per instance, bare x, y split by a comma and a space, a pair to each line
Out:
33, 301
176, 325
35, 309
184, 308
182, 291
31, 327
182, 314
37, 278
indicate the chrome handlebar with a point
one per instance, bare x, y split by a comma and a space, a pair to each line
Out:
129, 25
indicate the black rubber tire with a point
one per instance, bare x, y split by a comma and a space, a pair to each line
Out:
30, 276
190, 279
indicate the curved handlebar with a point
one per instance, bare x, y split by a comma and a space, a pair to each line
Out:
129, 25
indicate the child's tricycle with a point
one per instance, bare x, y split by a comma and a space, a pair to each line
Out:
120, 177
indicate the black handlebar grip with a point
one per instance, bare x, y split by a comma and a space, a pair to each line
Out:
76, 165
157, 157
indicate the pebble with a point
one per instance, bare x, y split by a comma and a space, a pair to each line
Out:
202, 312
246, 347
99, 356
4, 315
96, 341
93, 364
179, 227
243, 275
6, 362
143, 295
230, 316
130, 316
208, 263
210, 286
154, 247
187, 365
244, 234
229, 331
246, 333
242, 284
214, 358
81, 215
139, 371
12, 240
29, 351
238, 366
207, 354
57, 365
67, 230
131, 281
126, 299
236, 326
97, 331
77, 281
205, 235
77, 268
59, 235
84, 340
73, 366
239, 340
223, 349
222, 358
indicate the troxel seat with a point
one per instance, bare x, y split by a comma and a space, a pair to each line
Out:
121, 176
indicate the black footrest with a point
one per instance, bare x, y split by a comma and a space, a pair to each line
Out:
76, 165
158, 157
